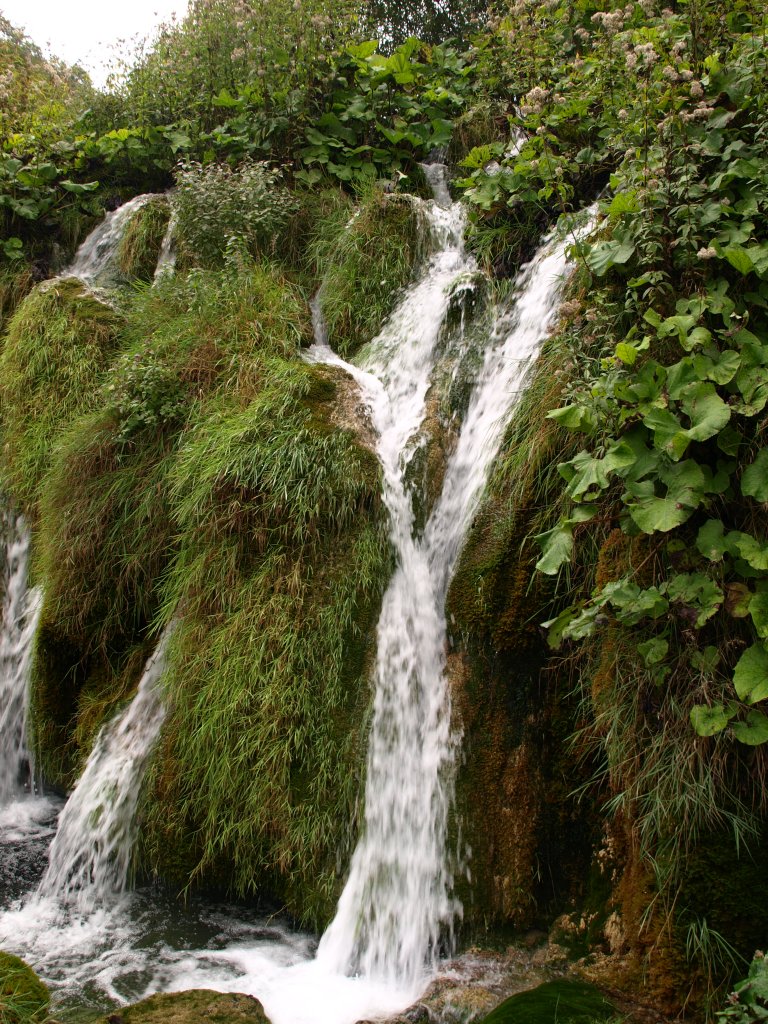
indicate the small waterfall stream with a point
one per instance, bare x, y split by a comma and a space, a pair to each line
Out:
21, 611
90, 857
94, 260
86, 932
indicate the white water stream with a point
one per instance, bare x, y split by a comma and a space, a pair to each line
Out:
89, 937
90, 857
94, 261
21, 610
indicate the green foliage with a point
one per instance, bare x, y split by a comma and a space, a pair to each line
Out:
282, 560
364, 267
23, 997
749, 1000
385, 114
58, 343
216, 207
39, 95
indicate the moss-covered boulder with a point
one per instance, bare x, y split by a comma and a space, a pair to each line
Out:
59, 343
554, 1002
140, 245
190, 1007
364, 269
24, 998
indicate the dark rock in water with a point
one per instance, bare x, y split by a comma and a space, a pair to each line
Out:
192, 1006
22, 865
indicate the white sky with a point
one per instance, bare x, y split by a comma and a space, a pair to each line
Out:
89, 32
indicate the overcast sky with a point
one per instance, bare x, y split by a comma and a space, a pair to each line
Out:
88, 32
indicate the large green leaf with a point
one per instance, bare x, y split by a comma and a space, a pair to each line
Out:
556, 547
557, 543
604, 255
754, 481
711, 541
753, 551
685, 483
706, 410
575, 417
750, 677
739, 258
696, 591
707, 721
752, 730
758, 609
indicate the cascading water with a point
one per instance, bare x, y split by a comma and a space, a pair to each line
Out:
397, 898
90, 856
97, 253
26, 816
166, 259
397, 905
400, 861
21, 610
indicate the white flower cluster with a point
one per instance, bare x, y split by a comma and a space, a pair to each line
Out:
534, 100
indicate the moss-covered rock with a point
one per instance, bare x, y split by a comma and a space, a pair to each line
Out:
554, 1002
140, 245
365, 268
282, 560
59, 342
190, 1007
24, 998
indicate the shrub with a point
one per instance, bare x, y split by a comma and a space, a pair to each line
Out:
216, 204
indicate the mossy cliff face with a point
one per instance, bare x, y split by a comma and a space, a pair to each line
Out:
529, 842
181, 462
365, 267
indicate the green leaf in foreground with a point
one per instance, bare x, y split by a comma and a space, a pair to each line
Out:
752, 730
750, 677
707, 721
754, 482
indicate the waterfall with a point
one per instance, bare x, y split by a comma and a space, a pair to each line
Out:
166, 259
94, 260
397, 909
397, 900
90, 857
21, 611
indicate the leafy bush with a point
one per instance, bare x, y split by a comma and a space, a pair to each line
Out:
749, 1000
215, 204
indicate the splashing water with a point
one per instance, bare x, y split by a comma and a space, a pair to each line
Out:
21, 611
90, 857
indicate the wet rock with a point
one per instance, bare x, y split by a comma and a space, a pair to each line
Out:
191, 1007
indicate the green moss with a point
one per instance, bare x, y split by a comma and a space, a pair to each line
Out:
281, 563
106, 534
554, 1002
190, 1007
15, 283
57, 347
364, 269
23, 997
140, 245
